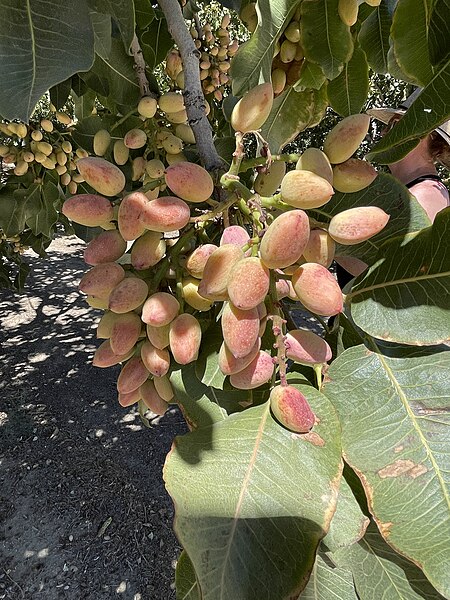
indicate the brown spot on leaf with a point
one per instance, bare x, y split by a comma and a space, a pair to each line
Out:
314, 438
385, 528
398, 449
402, 467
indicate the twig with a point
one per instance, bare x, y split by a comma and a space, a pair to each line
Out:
139, 63
193, 95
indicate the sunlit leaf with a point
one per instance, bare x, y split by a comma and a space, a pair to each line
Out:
395, 435
348, 92
253, 61
292, 112
374, 36
411, 43
253, 500
325, 39
348, 523
329, 582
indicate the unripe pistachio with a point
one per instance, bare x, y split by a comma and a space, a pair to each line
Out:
46, 125
147, 107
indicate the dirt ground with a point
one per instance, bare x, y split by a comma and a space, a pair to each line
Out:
83, 509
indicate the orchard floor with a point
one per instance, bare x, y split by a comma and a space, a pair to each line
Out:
83, 509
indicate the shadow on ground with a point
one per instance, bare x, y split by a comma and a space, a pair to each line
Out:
83, 508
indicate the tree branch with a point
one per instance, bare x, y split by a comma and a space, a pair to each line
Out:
193, 95
139, 63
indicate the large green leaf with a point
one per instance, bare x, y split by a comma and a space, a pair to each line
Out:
325, 39
253, 61
253, 500
123, 14
292, 112
395, 416
430, 109
348, 92
406, 214
379, 572
329, 582
410, 43
374, 36
405, 296
118, 70
42, 42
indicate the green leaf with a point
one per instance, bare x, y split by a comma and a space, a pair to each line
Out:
123, 14
41, 44
252, 63
185, 579
60, 93
12, 212
329, 582
410, 43
430, 109
325, 39
195, 396
348, 524
144, 13
253, 500
311, 77
406, 214
84, 105
439, 40
405, 296
291, 113
225, 147
348, 92
156, 42
119, 72
344, 336
374, 37
394, 414
207, 365
378, 571
102, 33
41, 214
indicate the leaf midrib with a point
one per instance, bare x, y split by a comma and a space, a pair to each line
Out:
245, 481
386, 284
33, 54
